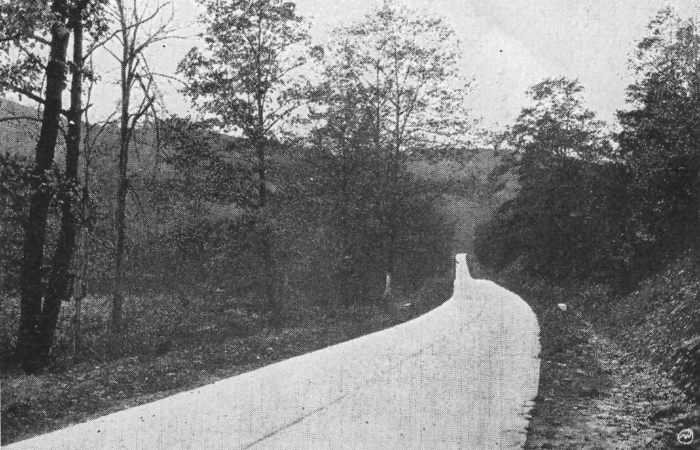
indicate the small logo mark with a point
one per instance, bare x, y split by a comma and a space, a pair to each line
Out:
686, 437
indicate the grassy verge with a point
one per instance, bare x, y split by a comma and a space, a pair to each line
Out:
169, 348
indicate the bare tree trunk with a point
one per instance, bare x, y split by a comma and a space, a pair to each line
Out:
346, 267
60, 284
80, 290
77, 318
30, 334
122, 182
394, 160
266, 238
156, 179
392, 224
133, 45
270, 273
390, 260
267, 243
119, 226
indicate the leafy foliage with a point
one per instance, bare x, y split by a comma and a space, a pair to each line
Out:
25, 30
349, 181
561, 225
208, 166
586, 211
660, 140
403, 65
243, 74
242, 77
20, 21
390, 86
14, 189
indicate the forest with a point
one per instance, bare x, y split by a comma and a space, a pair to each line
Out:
320, 189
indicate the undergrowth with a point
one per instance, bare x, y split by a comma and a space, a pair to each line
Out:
660, 322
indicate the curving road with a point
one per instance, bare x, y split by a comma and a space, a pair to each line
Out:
462, 376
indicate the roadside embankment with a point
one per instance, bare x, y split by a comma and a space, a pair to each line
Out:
612, 372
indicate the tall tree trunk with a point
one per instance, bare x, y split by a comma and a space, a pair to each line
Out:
29, 337
60, 283
392, 214
391, 250
347, 267
122, 187
389, 263
266, 239
259, 142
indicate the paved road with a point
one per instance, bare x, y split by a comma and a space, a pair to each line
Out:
460, 377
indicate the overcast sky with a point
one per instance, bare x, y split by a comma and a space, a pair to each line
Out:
508, 45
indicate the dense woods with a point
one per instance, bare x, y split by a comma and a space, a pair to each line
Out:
604, 205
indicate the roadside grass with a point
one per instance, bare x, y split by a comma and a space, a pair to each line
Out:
169, 346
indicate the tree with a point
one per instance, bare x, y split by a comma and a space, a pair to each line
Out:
405, 66
30, 341
27, 25
348, 175
563, 162
660, 141
134, 38
60, 285
243, 78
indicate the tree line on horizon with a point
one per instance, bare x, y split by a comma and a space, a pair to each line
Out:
242, 201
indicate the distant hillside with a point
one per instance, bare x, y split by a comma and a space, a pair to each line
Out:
483, 161
19, 136
479, 167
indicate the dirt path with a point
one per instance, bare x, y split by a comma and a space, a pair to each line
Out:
595, 396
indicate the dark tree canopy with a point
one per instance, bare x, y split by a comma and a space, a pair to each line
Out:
563, 163
660, 140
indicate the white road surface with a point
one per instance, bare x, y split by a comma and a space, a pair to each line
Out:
462, 376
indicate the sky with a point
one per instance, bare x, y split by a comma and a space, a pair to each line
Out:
507, 45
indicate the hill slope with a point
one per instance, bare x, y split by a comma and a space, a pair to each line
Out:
660, 322
18, 136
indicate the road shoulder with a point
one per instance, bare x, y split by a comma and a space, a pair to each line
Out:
594, 395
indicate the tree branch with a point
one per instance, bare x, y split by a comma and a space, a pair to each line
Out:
9, 119
282, 116
41, 39
19, 90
